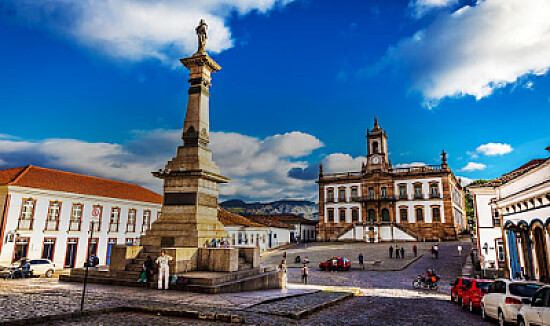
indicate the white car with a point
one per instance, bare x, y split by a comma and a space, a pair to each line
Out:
504, 299
39, 267
536, 311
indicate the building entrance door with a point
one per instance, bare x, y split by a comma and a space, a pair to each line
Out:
110, 245
49, 246
70, 256
21, 249
542, 258
513, 253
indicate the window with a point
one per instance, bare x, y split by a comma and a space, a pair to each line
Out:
115, 217
354, 194
385, 215
76, 218
97, 226
496, 219
418, 191
342, 215
375, 147
27, 215
419, 215
131, 226
384, 192
371, 193
402, 192
436, 214
355, 215
539, 298
500, 250
342, 194
92, 247
48, 249
403, 215
434, 190
372, 215
330, 194
330, 215
146, 221
52, 221
129, 241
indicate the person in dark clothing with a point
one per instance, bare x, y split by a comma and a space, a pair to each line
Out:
397, 252
391, 251
361, 261
402, 253
415, 250
472, 257
150, 269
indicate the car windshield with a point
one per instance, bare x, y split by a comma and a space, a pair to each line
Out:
483, 285
523, 290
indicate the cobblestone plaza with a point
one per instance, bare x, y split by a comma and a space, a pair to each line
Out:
357, 297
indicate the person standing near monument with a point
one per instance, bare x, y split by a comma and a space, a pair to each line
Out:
361, 261
415, 250
402, 253
391, 251
164, 270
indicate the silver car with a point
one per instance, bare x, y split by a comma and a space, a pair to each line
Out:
536, 311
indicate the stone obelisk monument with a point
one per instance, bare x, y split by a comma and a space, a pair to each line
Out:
191, 179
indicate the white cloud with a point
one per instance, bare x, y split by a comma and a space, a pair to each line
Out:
136, 29
421, 7
258, 167
339, 162
473, 166
493, 149
476, 50
409, 165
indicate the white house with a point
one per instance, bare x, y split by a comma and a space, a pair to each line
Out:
302, 229
46, 213
488, 226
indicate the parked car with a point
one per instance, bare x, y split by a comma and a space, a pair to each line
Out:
536, 311
39, 267
342, 264
473, 293
504, 299
457, 287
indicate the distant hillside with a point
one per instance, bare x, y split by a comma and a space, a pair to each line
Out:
307, 209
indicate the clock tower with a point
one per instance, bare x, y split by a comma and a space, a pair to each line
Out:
377, 149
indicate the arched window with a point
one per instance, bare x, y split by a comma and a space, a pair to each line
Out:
419, 215
436, 214
375, 147
385, 215
372, 215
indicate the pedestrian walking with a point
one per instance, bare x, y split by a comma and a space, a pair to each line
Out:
391, 251
361, 262
459, 248
284, 255
164, 270
432, 250
402, 253
415, 250
436, 250
150, 270
396, 252
305, 273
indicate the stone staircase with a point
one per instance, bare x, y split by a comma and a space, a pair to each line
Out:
246, 278
443, 232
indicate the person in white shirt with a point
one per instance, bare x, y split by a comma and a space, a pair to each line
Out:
164, 271
459, 250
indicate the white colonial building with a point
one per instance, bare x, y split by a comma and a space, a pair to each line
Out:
46, 214
488, 227
523, 204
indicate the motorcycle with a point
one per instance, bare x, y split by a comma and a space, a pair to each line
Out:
421, 283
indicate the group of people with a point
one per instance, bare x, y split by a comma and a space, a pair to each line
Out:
222, 243
399, 252
435, 251
160, 266
304, 271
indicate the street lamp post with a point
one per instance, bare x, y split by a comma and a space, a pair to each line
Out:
87, 264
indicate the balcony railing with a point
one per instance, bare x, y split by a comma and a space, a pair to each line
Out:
342, 175
379, 198
435, 195
131, 228
74, 225
403, 196
113, 227
24, 225
51, 225
418, 169
418, 196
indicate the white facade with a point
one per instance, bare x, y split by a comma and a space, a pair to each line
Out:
488, 228
411, 203
251, 236
377, 234
57, 235
347, 202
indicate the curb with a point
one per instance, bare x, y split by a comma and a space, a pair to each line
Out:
228, 318
306, 312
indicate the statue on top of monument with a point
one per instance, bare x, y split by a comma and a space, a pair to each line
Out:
201, 33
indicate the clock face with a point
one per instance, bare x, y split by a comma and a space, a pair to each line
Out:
375, 160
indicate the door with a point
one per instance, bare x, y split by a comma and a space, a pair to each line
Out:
110, 244
540, 250
47, 251
513, 251
21, 249
70, 256
269, 241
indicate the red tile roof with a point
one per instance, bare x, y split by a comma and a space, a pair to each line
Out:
230, 219
285, 218
48, 179
269, 220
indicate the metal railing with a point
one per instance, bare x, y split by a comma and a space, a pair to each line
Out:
51, 225
24, 225
74, 225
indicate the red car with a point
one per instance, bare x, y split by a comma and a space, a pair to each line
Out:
342, 264
474, 292
457, 287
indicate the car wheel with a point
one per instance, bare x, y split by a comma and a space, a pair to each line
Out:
49, 273
521, 322
501, 321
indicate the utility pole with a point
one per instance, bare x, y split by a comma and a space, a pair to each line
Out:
95, 214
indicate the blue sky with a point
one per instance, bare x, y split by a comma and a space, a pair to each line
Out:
96, 87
